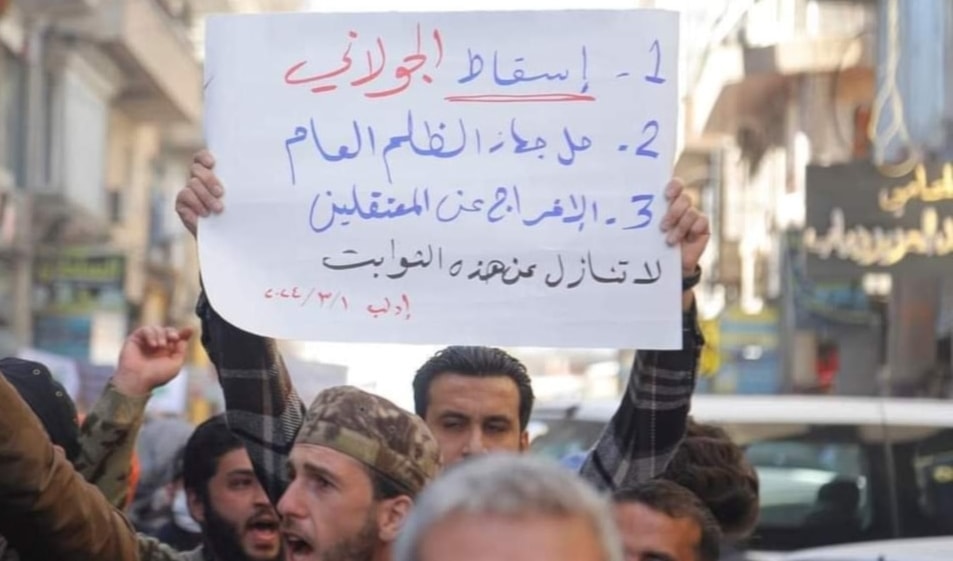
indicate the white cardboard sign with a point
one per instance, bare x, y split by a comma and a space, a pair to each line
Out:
470, 178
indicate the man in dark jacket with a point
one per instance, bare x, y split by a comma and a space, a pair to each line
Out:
47, 509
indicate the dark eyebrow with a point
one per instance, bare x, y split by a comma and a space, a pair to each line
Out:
241, 471
454, 415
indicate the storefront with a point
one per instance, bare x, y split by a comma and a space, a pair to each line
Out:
893, 238
80, 308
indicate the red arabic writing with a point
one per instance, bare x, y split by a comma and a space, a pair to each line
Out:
398, 306
376, 63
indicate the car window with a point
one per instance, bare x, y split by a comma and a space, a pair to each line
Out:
816, 486
933, 468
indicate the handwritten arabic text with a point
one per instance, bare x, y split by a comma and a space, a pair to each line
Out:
560, 270
330, 209
330, 300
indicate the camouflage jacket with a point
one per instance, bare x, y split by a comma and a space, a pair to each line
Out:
107, 441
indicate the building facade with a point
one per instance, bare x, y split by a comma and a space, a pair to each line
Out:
100, 107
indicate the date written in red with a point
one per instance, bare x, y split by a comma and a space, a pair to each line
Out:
387, 306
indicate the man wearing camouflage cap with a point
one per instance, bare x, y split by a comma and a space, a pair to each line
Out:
357, 461
477, 399
355, 468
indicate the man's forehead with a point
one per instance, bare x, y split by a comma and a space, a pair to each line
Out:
639, 516
489, 395
485, 382
234, 460
535, 535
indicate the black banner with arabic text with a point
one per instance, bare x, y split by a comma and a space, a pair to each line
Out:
860, 221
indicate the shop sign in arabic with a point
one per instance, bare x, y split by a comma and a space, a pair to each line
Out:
860, 221
79, 281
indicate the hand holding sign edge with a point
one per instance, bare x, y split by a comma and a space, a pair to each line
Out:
686, 227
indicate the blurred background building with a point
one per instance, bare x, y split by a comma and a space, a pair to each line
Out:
100, 112
101, 107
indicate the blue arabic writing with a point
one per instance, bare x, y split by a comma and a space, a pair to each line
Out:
435, 140
330, 209
517, 74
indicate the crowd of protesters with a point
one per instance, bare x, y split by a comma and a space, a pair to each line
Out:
352, 476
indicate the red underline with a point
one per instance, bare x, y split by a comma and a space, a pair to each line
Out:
519, 98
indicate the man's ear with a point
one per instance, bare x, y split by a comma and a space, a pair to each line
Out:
391, 515
196, 507
524, 441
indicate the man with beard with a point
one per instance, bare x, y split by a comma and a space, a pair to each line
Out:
475, 399
354, 471
355, 468
224, 496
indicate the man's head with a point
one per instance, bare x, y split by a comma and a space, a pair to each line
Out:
505, 506
357, 464
225, 498
48, 400
662, 521
715, 469
475, 400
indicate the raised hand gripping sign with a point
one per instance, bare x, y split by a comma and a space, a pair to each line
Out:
470, 178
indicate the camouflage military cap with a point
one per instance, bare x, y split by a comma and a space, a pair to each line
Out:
374, 431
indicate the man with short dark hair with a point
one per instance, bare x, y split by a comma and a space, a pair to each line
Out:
467, 395
225, 498
662, 521
488, 409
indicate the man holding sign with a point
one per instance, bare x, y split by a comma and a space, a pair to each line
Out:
482, 178
636, 446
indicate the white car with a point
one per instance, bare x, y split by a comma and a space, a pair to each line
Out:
923, 549
833, 470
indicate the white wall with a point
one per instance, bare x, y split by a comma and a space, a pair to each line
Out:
81, 141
